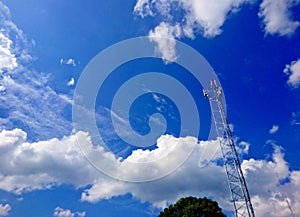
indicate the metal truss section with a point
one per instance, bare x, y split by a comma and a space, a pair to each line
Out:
236, 180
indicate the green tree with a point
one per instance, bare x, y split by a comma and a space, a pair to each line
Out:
193, 207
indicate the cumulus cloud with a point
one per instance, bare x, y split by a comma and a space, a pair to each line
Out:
209, 180
274, 129
164, 35
293, 70
186, 18
29, 166
60, 212
208, 16
268, 195
205, 16
277, 17
4, 209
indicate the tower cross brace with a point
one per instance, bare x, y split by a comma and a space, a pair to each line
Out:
237, 184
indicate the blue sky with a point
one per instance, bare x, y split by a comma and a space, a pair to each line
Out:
53, 164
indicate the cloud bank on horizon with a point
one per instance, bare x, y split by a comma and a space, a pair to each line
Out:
29, 166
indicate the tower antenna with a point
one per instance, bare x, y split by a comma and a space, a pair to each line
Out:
285, 196
236, 180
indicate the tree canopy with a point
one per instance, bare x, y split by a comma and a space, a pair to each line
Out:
193, 207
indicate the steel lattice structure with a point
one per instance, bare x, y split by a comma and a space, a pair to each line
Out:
236, 180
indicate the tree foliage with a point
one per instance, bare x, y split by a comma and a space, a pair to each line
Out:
193, 207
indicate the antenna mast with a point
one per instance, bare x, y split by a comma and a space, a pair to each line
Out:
285, 197
236, 180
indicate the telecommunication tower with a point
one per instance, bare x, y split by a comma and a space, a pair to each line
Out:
236, 180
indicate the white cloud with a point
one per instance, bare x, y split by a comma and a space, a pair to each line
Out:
186, 18
206, 16
274, 129
275, 205
293, 70
13, 42
164, 35
209, 180
2, 88
243, 147
71, 82
142, 8
268, 196
53, 162
60, 212
33, 104
69, 61
295, 120
29, 166
4, 209
8, 60
277, 17
81, 214
25, 96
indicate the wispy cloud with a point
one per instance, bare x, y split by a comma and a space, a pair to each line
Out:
4, 209
33, 105
293, 71
295, 120
274, 129
69, 61
13, 42
143, 8
8, 61
26, 98
277, 17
